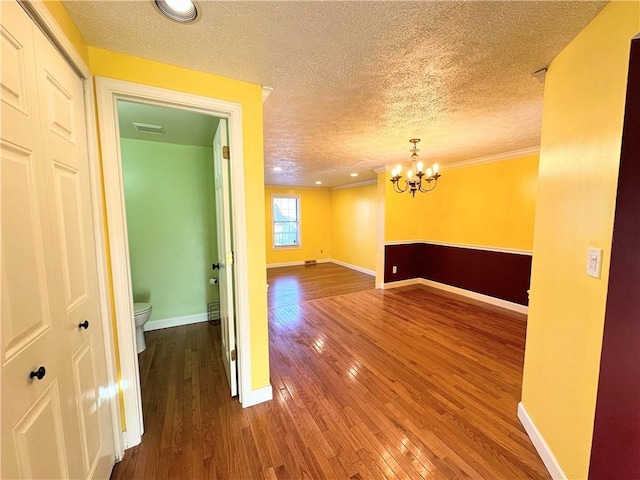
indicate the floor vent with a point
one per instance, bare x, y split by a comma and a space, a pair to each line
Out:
309, 262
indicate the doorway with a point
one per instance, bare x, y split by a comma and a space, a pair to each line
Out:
109, 93
167, 164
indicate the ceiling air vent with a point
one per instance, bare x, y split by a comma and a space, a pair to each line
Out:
146, 128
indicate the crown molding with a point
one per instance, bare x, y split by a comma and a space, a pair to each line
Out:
380, 169
266, 91
523, 152
354, 185
293, 187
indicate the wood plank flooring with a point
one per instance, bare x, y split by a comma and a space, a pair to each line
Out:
404, 383
289, 285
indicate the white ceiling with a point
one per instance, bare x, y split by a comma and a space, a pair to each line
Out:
178, 126
354, 81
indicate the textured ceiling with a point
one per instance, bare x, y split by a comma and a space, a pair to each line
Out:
354, 81
178, 126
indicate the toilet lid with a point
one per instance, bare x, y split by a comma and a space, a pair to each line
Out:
141, 307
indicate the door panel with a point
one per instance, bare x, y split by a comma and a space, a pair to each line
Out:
29, 407
25, 308
71, 219
225, 256
40, 447
85, 381
60, 109
71, 234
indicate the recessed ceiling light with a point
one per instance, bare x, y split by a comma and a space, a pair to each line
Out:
318, 182
277, 169
183, 11
353, 174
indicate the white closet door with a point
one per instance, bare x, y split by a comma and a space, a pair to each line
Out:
57, 426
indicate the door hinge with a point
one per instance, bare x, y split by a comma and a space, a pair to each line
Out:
225, 152
233, 355
229, 258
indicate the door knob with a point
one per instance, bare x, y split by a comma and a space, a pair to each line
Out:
215, 266
39, 373
84, 324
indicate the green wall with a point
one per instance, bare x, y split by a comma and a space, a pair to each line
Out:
171, 225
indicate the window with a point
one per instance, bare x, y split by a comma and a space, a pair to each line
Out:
286, 220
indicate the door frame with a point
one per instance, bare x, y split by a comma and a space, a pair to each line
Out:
42, 17
108, 92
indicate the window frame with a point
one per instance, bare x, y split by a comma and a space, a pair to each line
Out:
274, 196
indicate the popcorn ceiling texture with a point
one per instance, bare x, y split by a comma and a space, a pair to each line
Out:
354, 81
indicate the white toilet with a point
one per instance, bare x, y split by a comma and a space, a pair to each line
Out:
142, 312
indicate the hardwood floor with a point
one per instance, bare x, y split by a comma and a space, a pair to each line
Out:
289, 285
403, 383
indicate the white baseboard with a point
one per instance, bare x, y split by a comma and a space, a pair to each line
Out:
549, 460
295, 264
401, 283
175, 321
254, 397
498, 302
353, 267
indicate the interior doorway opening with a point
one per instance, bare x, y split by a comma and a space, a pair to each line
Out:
110, 93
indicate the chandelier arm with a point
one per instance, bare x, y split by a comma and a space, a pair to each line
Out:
435, 183
396, 186
423, 189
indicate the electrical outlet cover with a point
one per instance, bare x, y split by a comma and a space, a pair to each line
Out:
594, 262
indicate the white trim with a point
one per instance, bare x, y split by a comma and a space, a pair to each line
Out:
402, 242
266, 91
260, 395
549, 460
296, 263
108, 92
512, 155
514, 251
380, 227
293, 188
498, 302
354, 267
355, 185
299, 221
380, 169
43, 17
176, 321
400, 283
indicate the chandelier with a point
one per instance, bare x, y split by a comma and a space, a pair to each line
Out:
417, 179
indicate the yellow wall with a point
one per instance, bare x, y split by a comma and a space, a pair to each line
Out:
491, 205
402, 215
315, 205
354, 222
579, 158
104, 63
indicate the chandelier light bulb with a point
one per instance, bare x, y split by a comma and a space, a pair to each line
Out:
420, 165
435, 168
428, 172
409, 174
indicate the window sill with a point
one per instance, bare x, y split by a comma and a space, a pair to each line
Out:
286, 247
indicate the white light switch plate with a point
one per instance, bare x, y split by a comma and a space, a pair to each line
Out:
594, 262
